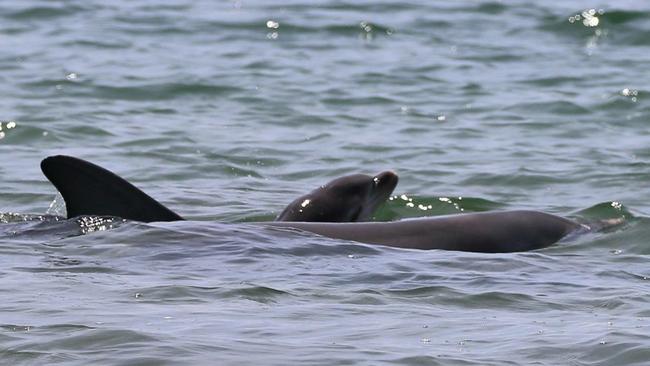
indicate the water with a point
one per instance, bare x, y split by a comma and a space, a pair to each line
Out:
226, 111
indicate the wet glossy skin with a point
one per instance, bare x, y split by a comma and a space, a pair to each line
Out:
346, 199
489, 232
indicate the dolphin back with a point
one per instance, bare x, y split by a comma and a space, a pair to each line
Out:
88, 189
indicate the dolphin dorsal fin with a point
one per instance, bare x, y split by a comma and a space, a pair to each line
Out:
88, 189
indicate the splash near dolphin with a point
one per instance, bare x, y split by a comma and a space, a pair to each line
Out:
333, 210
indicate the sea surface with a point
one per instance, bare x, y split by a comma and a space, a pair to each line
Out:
226, 111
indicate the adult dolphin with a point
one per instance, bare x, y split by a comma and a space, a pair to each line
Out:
89, 189
92, 190
488, 232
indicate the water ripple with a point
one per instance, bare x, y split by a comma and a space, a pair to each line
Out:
227, 111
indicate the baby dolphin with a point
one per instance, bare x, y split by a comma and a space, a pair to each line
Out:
346, 199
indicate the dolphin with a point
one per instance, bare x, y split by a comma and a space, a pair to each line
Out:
88, 189
346, 199
487, 232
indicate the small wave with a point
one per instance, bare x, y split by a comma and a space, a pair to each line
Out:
35, 227
404, 206
25, 133
260, 294
517, 180
619, 352
423, 292
606, 210
95, 44
162, 91
188, 294
553, 107
73, 269
623, 16
310, 246
502, 300
621, 27
11, 217
358, 101
44, 12
98, 339
553, 81
133, 92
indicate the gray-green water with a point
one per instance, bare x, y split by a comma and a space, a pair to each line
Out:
226, 111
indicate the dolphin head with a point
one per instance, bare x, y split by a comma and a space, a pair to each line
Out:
346, 199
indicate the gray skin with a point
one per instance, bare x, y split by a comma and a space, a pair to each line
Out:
488, 232
346, 199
